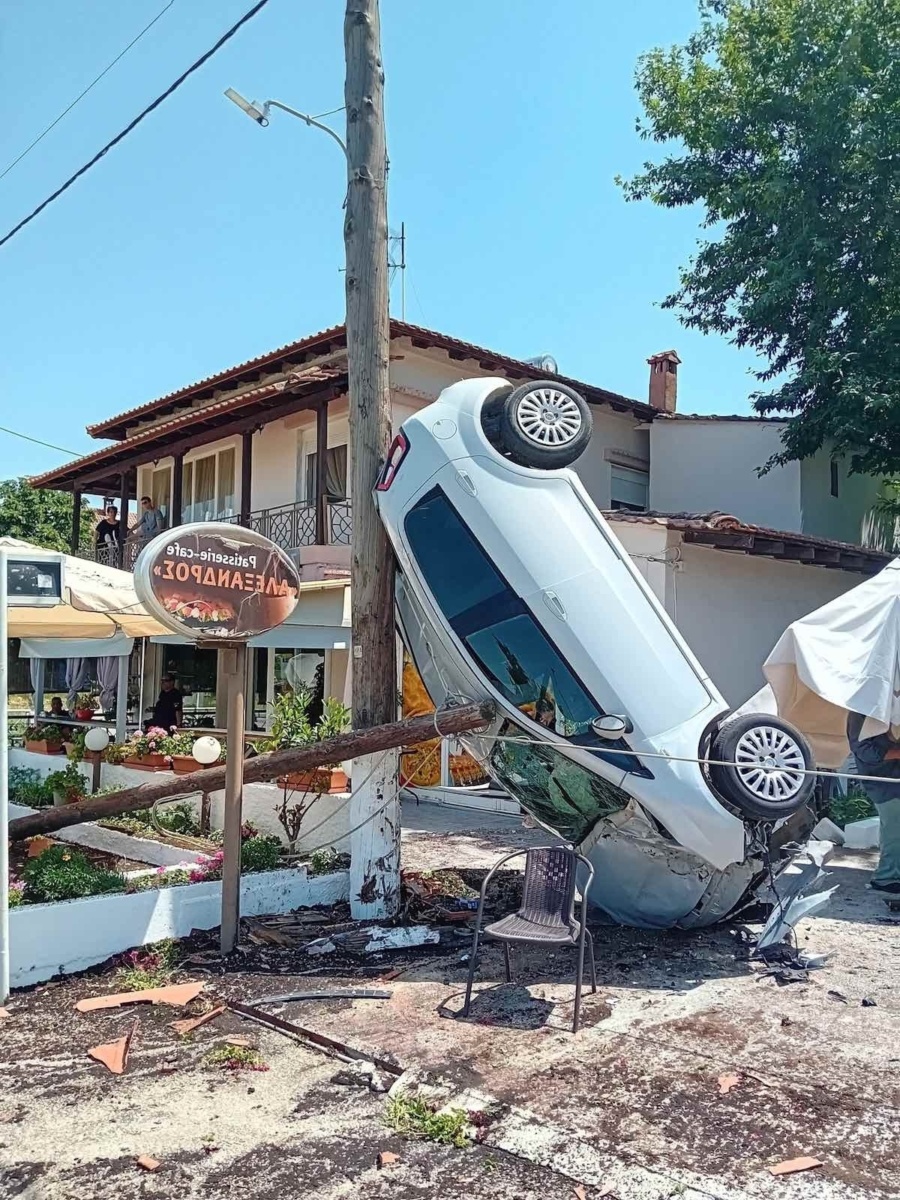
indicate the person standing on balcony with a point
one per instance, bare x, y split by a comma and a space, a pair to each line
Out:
150, 523
108, 535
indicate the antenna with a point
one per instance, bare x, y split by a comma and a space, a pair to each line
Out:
398, 240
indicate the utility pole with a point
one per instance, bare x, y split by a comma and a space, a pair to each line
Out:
375, 804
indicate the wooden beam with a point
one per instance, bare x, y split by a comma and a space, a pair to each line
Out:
350, 745
768, 546
76, 522
246, 474
795, 551
826, 557
177, 489
321, 474
124, 499
852, 562
722, 541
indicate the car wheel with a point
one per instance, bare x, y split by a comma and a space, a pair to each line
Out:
545, 425
759, 763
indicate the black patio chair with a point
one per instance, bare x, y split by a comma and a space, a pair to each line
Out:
546, 916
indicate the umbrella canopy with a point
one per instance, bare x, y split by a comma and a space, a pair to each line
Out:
844, 657
99, 602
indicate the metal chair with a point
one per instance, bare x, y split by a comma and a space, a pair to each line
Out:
546, 916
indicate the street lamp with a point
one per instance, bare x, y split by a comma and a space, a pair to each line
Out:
260, 114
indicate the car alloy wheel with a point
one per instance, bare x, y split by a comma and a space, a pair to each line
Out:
770, 763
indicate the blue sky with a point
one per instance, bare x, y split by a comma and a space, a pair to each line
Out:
203, 240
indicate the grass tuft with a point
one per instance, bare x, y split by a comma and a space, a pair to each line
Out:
234, 1058
414, 1117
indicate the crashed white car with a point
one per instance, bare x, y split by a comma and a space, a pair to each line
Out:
512, 587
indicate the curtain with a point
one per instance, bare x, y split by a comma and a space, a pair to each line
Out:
204, 488
107, 676
35, 672
335, 474
225, 497
77, 672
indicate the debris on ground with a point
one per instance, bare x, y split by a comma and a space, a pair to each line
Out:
727, 1082
177, 995
231, 1057
4, 1013
868, 1002
189, 1024
387, 1158
580, 1191
792, 1165
146, 1163
363, 1074
114, 1055
834, 994
337, 994
375, 939
440, 895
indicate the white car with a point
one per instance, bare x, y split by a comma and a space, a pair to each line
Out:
512, 587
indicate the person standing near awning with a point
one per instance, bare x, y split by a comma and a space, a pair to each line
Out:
880, 756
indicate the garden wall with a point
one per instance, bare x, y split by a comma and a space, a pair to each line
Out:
71, 935
260, 799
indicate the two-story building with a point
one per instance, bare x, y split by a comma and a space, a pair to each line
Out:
266, 444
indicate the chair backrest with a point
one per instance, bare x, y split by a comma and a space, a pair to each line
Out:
548, 894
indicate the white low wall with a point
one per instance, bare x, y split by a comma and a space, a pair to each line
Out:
260, 799
71, 935
115, 842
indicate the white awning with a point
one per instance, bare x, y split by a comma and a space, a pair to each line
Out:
116, 646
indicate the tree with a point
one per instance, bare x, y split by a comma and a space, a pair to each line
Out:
784, 119
41, 517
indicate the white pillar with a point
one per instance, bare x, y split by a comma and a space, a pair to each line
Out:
375, 846
270, 685
122, 698
39, 689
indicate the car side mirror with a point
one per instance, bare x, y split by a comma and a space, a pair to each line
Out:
611, 726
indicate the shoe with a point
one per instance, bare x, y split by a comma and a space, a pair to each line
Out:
892, 887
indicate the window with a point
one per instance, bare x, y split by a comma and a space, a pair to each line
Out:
335, 474
156, 482
629, 489
835, 478
498, 628
559, 792
208, 489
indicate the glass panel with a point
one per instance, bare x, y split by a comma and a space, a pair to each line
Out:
225, 497
161, 489
629, 489
204, 488
195, 672
560, 793
187, 498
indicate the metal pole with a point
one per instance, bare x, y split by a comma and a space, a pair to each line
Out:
39, 689
122, 697
4, 784
234, 664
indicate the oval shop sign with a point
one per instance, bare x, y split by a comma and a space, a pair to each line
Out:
213, 581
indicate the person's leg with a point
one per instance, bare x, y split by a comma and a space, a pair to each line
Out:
889, 862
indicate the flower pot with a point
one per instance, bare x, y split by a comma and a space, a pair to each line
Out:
183, 764
146, 762
69, 748
61, 798
84, 714
339, 781
317, 780
43, 747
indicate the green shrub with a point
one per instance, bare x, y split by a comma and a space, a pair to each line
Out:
70, 782
61, 873
260, 854
855, 806
27, 787
323, 862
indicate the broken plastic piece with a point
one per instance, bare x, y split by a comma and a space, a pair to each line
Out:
792, 1165
177, 994
189, 1024
579, 1191
114, 1055
146, 1163
372, 941
727, 1082
386, 1158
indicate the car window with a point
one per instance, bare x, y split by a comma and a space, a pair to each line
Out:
500, 631
560, 793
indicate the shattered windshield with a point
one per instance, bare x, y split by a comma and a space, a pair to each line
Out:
562, 794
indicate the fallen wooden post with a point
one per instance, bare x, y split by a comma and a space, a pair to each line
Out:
256, 770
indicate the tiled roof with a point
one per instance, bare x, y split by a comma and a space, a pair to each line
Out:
725, 532
750, 417
321, 342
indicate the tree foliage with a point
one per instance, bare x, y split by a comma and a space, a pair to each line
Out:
41, 517
783, 117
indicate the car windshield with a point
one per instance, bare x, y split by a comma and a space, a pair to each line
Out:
563, 795
500, 631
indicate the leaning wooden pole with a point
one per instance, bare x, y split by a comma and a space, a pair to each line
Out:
357, 743
375, 846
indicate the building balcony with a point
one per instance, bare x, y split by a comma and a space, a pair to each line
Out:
290, 526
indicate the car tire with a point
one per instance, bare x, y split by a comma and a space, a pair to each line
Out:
546, 425
740, 753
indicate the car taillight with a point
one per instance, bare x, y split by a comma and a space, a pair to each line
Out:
396, 455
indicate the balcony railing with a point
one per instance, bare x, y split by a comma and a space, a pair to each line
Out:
289, 526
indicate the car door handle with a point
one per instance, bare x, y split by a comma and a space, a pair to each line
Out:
555, 605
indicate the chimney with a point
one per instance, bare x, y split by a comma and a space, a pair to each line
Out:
664, 380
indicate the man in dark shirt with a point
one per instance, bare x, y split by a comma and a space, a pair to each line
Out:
167, 712
880, 755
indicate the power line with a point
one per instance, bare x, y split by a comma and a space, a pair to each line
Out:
82, 95
137, 120
38, 442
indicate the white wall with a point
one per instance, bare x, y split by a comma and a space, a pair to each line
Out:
707, 466
842, 517
617, 436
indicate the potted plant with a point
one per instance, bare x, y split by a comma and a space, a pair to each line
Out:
181, 754
44, 739
68, 786
74, 744
85, 707
291, 726
148, 751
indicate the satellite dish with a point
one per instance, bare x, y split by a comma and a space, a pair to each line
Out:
544, 362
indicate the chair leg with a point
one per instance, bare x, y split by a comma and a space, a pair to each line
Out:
506, 962
473, 959
579, 977
590, 941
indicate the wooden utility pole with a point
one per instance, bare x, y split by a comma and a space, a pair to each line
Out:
375, 846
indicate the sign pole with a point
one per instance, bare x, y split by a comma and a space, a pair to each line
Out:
4, 783
234, 664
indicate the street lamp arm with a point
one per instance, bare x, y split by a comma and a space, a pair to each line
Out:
309, 121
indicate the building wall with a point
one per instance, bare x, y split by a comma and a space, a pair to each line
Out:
844, 517
708, 466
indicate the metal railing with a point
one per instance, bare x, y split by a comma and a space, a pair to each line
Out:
287, 525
